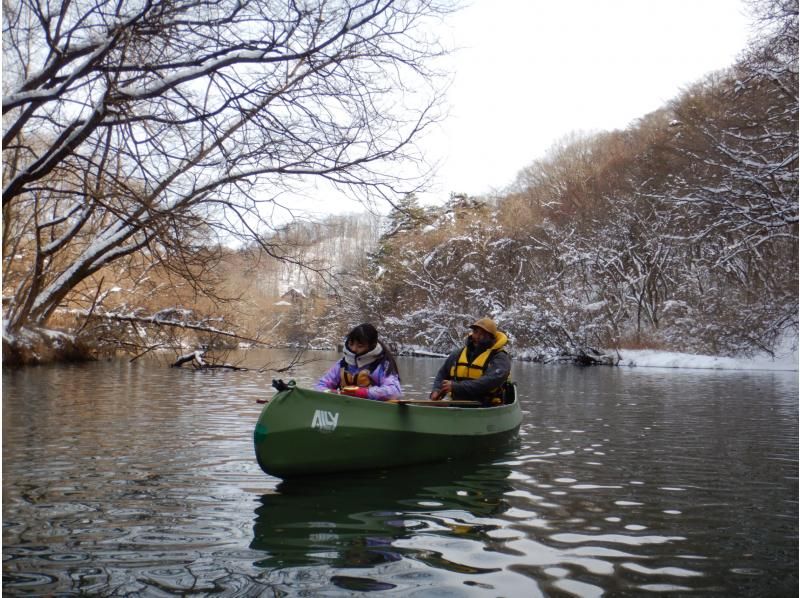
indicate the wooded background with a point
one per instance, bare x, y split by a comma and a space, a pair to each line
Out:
147, 145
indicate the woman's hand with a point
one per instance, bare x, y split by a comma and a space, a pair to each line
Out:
356, 391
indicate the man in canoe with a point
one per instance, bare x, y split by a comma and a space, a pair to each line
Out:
479, 370
367, 368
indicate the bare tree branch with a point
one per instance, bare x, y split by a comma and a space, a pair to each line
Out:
144, 128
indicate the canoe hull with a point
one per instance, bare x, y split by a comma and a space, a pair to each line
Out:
303, 432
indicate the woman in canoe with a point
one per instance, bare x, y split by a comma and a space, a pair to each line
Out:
367, 368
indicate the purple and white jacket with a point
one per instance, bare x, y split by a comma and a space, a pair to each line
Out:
384, 386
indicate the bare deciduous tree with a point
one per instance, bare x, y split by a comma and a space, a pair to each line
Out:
157, 128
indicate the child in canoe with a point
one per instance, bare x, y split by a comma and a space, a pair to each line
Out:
367, 368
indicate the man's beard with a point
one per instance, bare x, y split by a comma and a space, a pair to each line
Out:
482, 345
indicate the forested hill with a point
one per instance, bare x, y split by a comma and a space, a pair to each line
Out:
679, 232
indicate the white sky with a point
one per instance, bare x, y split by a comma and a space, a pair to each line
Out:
530, 72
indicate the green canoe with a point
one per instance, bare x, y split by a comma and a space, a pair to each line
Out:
304, 432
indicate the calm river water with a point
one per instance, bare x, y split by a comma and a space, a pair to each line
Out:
139, 480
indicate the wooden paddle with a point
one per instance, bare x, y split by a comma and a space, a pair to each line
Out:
429, 403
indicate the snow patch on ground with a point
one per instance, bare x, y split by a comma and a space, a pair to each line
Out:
786, 359
661, 359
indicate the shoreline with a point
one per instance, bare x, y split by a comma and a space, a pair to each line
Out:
47, 346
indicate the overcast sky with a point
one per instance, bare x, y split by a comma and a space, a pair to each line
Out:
530, 72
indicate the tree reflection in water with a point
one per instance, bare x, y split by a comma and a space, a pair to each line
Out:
354, 521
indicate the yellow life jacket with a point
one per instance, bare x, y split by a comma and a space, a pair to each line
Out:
359, 378
366, 364
464, 369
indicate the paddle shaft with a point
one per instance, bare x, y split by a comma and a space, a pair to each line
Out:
439, 403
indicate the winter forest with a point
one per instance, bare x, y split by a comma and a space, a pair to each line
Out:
147, 146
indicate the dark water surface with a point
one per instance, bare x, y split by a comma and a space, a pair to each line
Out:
137, 480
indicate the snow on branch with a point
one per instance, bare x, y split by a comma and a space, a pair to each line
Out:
167, 318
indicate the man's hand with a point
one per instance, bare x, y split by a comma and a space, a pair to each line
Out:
447, 387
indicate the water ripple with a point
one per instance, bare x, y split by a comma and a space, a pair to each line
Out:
127, 479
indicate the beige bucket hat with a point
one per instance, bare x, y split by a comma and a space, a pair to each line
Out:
486, 324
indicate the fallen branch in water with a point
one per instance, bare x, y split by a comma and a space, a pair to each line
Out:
197, 359
296, 361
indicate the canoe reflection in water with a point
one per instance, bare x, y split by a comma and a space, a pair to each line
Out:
355, 521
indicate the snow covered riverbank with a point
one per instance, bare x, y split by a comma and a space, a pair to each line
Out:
43, 346
785, 359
